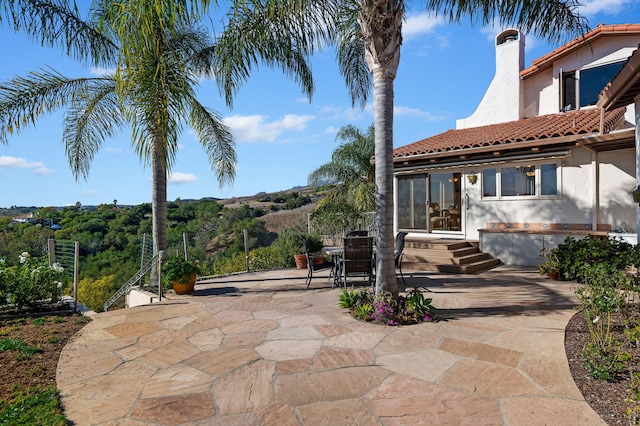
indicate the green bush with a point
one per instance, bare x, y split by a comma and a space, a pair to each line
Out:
30, 284
576, 257
290, 243
93, 293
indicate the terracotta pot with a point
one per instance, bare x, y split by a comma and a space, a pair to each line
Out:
301, 261
180, 287
554, 275
318, 260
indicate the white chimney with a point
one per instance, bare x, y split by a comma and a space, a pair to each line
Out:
503, 100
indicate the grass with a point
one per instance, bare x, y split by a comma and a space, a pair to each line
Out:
33, 407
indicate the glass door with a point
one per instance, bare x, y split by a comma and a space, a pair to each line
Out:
445, 200
430, 202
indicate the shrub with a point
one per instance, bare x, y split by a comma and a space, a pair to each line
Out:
575, 257
289, 243
93, 293
30, 284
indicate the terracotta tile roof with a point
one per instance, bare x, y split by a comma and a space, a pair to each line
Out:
547, 60
507, 135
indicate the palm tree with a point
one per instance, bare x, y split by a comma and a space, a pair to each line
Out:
158, 56
372, 30
351, 168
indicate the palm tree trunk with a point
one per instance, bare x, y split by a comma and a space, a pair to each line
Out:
158, 206
381, 25
383, 122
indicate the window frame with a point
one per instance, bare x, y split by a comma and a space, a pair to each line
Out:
576, 77
537, 165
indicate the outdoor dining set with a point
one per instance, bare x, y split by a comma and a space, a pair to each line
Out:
355, 258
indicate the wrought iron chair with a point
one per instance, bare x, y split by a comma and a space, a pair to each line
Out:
399, 253
357, 259
311, 266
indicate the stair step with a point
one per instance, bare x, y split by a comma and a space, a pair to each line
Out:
435, 253
436, 244
470, 268
444, 255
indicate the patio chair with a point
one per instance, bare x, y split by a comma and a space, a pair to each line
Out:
357, 259
398, 253
311, 266
357, 234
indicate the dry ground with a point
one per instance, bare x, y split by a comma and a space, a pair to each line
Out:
49, 334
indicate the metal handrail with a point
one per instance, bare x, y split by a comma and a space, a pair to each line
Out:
133, 280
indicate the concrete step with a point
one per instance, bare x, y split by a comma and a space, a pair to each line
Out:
455, 256
470, 268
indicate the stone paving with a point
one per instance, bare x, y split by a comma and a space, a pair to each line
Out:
260, 349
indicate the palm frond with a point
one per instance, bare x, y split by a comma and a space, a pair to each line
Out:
58, 23
88, 122
24, 99
278, 34
350, 55
216, 139
555, 20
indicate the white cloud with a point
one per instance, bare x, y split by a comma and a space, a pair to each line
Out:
422, 23
113, 150
21, 163
331, 130
101, 72
180, 178
608, 7
402, 111
90, 192
255, 128
43, 171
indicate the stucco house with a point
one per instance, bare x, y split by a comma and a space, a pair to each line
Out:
549, 152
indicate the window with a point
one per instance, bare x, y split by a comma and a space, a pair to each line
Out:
530, 181
489, 183
581, 88
518, 181
549, 179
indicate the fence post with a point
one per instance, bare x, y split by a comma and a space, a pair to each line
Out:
186, 246
76, 265
245, 234
51, 247
159, 266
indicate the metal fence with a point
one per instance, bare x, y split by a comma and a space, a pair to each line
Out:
66, 254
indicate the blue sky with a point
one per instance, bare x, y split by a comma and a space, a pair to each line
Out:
280, 136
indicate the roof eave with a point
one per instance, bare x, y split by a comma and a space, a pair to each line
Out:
624, 87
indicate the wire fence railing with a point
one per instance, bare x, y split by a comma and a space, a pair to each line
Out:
66, 254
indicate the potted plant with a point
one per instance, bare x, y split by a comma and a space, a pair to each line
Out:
550, 266
180, 275
291, 247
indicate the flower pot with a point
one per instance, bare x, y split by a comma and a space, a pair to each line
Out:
554, 275
180, 287
301, 261
318, 260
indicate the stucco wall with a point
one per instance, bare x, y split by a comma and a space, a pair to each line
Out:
617, 181
541, 91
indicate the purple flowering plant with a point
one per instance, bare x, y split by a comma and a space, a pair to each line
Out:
383, 308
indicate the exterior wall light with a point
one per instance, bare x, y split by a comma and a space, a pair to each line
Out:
473, 178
